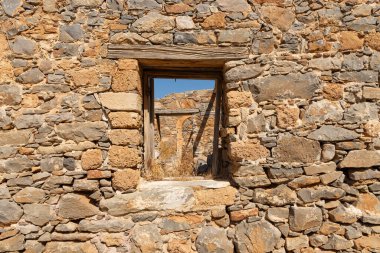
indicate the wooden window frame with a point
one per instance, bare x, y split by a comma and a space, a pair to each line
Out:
148, 106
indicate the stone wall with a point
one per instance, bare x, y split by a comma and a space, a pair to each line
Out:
184, 141
300, 132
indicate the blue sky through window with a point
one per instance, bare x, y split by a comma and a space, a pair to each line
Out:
166, 86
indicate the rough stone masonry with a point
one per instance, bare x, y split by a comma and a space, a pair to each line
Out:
300, 130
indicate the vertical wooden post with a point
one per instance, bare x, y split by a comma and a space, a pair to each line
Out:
148, 122
215, 160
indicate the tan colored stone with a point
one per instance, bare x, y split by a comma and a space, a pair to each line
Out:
128, 64
237, 99
278, 2
371, 93
98, 174
121, 101
16, 243
373, 40
368, 242
287, 116
372, 128
240, 215
177, 8
125, 137
215, 21
350, 40
85, 77
361, 159
368, 203
333, 91
29, 195
65, 247
114, 239
92, 159
125, 119
127, 179
6, 73
127, 80
30, 101
282, 18
329, 228
239, 151
215, 197
123, 157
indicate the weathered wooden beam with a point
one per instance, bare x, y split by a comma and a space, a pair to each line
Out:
184, 53
176, 111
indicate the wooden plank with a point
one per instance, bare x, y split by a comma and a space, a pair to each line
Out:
148, 122
215, 160
183, 53
176, 111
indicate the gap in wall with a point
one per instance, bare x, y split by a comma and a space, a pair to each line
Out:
184, 114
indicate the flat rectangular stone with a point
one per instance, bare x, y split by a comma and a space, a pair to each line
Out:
371, 93
121, 101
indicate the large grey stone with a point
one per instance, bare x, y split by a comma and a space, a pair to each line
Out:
13, 244
16, 165
359, 175
279, 196
28, 121
82, 131
234, 5
361, 112
326, 63
243, 72
332, 133
303, 218
352, 62
308, 195
296, 149
322, 111
31, 76
70, 33
15, 137
10, 212
260, 236
22, 45
213, 240
285, 86
121, 101
111, 225
251, 177
51, 164
143, 5
361, 159
366, 76
375, 61
74, 206
154, 22
11, 7
38, 214
337, 243
7, 152
10, 95
236, 36
169, 198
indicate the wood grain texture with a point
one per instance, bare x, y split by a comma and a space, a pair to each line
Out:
183, 53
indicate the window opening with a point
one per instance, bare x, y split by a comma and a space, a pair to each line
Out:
184, 112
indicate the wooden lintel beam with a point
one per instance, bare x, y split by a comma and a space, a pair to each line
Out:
176, 111
184, 53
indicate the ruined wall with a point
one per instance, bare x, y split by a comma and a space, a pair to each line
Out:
301, 131
184, 141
